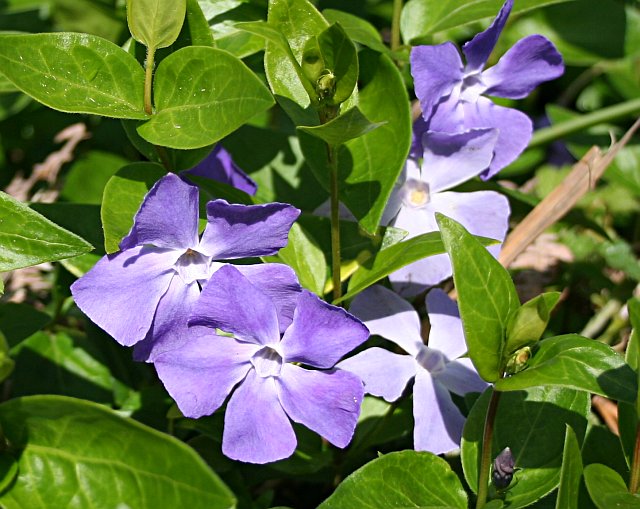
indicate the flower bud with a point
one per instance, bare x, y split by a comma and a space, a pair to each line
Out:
503, 468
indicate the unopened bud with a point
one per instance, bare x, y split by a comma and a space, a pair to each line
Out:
503, 468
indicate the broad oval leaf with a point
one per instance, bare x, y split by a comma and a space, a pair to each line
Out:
607, 488
76, 73
346, 126
28, 238
202, 94
155, 23
358, 29
579, 363
529, 321
486, 297
73, 453
419, 479
532, 424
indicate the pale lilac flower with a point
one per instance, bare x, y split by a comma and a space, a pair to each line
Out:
219, 165
261, 363
422, 190
452, 94
436, 368
143, 294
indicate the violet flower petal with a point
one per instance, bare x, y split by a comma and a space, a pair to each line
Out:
384, 373
256, 428
327, 402
390, 316
219, 166
321, 333
530, 62
242, 231
121, 292
478, 49
446, 332
514, 127
460, 377
438, 422
168, 216
436, 70
450, 159
231, 303
201, 374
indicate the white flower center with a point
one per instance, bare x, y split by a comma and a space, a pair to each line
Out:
415, 193
192, 266
472, 87
267, 362
432, 360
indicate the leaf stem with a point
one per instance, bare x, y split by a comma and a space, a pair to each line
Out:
485, 458
332, 154
395, 25
148, 80
549, 134
634, 481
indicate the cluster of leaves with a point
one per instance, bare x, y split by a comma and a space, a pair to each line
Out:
291, 89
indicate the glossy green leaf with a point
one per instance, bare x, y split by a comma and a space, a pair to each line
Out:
76, 73
607, 488
421, 18
156, 23
69, 449
347, 126
202, 94
395, 257
529, 321
85, 181
532, 424
123, 195
19, 321
570, 473
6, 86
418, 479
486, 297
28, 238
358, 29
305, 257
579, 363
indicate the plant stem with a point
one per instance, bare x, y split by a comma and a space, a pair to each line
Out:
635, 466
148, 80
485, 458
549, 134
395, 25
332, 154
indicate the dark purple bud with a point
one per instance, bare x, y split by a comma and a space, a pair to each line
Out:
503, 468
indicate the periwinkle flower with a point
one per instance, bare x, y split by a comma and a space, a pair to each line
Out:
503, 468
143, 294
422, 190
452, 94
261, 362
219, 165
437, 368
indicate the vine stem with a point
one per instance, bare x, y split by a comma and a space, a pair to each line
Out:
148, 80
485, 458
634, 482
335, 222
395, 25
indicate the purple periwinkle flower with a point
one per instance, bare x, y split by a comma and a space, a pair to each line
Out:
452, 94
262, 362
422, 190
436, 368
219, 165
143, 294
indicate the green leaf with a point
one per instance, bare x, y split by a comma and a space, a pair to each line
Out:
89, 174
393, 258
123, 195
570, 473
421, 18
486, 297
72, 449
579, 363
529, 321
6, 363
76, 73
202, 94
156, 23
346, 126
19, 321
418, 479
305, 257
532, 424
607, 489
28, 238
358, 29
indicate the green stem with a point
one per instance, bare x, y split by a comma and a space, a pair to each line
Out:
335, 222
549, 134
148, 80
635, 467
485, 458
395, 25
164, 157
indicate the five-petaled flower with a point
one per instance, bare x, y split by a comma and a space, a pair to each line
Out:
437, 367
261, 362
